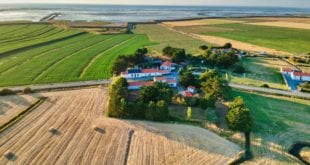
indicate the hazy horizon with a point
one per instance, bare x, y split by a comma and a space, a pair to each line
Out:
245, 3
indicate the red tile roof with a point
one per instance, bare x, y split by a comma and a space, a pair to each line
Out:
163, 78
187, 94
141, 83
287, 70
192, 87
301, 74
167, 64
171, 81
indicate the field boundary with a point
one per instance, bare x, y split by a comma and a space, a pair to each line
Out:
56, 62
100, 54
21, 115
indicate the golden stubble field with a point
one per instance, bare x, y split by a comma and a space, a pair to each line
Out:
70, 128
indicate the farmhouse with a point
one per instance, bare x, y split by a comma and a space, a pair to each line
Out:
167, 65
136, 73
287, 70
191, 89
301, 76
139, 84
171, 81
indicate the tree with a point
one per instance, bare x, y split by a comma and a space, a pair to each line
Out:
208, 101
227, 45
178, 55
203, 47
239, 69
189, 113
212, 84
239, 119
118, 94
158, 91
119, 65
157, 111
188, 79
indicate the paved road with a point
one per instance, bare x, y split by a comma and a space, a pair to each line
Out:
105, 82
60, 85
271, 91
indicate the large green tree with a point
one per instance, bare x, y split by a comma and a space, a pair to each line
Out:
118, 94
158, 91
239, 119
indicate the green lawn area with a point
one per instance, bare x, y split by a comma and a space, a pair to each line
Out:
284, 39
83, 57
279, 122
260, 71
167, 37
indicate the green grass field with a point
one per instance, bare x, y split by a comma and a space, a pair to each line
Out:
260, 71
83, 57
166, 37
284, 39
279, 122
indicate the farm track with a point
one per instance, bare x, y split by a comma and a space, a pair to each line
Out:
36, 56
102, 53
75, 113
49, 67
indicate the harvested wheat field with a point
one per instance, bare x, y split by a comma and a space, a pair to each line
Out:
239, 45
284, 24
69, 128
201, 22
11, 106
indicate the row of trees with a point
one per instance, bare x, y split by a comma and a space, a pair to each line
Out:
125, 61
150, 104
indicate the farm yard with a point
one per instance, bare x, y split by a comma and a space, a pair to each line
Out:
261, 71
81, 57
279, 37
69, 127
167, 37
279, 122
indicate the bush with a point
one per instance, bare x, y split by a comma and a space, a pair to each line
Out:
208, 101
265, 86
192, 101
203, 47
27, 90
6, 91
212, 116
239, 69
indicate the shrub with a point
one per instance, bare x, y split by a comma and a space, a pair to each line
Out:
191, 101
6, 91
265, 86
212, 116
239, 69
203, 47
208, 101
27, 90
189, 113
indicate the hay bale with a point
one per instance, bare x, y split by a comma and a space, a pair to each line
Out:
100, 130
9, 155
53, 130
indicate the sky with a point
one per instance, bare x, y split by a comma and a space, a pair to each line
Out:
277, 3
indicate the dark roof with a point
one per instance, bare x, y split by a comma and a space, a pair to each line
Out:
134, 71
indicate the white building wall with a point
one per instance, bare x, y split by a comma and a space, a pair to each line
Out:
305, 78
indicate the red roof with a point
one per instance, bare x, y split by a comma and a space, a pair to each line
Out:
161, 78
192, 87
301, 74
167, 64
187, 94
141, 83
171, 81
287, 70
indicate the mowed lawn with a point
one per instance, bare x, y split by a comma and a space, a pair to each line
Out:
279, 122
279, 38
260, 71
164, 36
83, 57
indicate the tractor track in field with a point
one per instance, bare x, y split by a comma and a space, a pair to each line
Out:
99, 55
47, 68
39, 55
